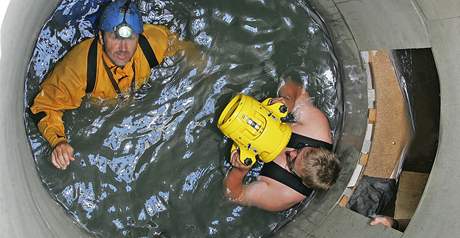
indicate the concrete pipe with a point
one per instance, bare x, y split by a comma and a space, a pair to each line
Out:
27, 210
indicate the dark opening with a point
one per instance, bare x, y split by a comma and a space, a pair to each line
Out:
419, 77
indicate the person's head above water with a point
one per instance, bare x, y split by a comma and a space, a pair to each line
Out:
318, 168
120, 24
295, 75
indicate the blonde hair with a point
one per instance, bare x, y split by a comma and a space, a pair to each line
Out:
319, 168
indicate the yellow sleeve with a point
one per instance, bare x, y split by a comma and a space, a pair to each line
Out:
158, 38
166, 43
63, 89
176, 45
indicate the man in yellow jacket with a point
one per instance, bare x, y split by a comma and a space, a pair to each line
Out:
113, 64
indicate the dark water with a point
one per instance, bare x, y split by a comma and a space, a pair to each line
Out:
153, 165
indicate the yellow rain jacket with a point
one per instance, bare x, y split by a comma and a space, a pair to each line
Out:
65, 86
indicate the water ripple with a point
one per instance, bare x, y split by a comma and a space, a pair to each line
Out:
152, 165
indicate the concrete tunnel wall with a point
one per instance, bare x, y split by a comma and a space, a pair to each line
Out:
26, 209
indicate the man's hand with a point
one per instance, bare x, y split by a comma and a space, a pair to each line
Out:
62, 155
233, 182
383, 220
235, 161
286, 101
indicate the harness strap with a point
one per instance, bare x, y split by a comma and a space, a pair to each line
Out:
90, 78
297, 141
276, 172
148, 51
115, 84
92, 60
91, 68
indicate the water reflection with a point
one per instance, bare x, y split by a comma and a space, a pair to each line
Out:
153, 165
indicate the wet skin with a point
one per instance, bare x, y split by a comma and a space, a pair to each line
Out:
119, 50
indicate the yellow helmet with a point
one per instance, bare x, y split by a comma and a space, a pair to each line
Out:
256, 128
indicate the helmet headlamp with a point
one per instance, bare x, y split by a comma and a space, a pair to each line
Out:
123, 31
122, 18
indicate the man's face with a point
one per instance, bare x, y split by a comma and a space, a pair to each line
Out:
119, 50
294, 158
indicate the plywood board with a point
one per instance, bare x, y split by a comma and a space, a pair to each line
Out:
391, 130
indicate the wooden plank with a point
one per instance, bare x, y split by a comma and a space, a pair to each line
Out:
391, 131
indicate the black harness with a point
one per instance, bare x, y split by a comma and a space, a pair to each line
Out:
276, 172
297, 142
92, 63
115, 84
92, 69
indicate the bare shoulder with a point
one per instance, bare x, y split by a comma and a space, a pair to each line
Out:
265, 189
311, 122
280, 188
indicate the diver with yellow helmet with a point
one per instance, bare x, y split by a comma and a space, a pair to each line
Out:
297, 156
253, 126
